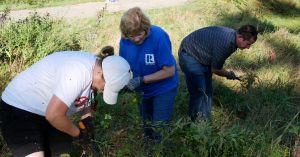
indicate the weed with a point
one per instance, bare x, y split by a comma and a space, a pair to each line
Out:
100, 14
27, 41
4, 16
248, 80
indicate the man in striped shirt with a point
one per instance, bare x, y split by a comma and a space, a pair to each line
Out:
204, 52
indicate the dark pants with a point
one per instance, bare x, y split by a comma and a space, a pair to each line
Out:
156, 112
26, 133
199, 83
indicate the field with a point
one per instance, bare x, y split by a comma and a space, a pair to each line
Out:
258, 116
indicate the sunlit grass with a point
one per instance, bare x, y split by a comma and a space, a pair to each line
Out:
291, 23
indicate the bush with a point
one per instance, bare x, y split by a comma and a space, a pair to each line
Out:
25, 42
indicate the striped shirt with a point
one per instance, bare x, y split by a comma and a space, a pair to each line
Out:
211, 46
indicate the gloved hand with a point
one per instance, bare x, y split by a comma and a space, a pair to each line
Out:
89, 126
86, 136
83, 138
87, 131
135, 83
231, 76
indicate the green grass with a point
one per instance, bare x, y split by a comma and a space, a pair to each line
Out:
258, 116
31, 4
290, 23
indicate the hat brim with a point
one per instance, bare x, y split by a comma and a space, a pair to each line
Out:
109, 96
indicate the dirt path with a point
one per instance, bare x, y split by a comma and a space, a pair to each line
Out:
91, 9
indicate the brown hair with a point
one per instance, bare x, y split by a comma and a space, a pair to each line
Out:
134, 21
248, 32
105, 52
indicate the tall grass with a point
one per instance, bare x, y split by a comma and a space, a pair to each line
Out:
25, 42
258, 116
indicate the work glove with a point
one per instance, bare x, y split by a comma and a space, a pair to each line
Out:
135, 83
86, 136
87, 131
89, 126
231, 76
83, 138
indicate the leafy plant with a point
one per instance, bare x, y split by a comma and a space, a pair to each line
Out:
25, 42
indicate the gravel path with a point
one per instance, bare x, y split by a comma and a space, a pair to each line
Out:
91, 9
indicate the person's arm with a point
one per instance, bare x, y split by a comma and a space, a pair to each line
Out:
165, 72
230, 75
56, 114
221, 72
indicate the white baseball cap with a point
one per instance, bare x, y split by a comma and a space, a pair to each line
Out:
116, 73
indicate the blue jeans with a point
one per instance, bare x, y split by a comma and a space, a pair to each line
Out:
156, 112
199, 83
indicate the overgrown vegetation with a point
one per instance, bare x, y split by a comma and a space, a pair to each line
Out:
258, 116
24, 42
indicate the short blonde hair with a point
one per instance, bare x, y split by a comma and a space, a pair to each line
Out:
134, 21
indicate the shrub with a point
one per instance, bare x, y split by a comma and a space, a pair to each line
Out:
24, 42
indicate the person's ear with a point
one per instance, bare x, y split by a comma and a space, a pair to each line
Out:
240, 37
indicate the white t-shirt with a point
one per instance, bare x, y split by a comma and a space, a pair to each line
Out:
67, 74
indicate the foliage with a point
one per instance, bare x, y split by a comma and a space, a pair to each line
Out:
24, 42
214, 139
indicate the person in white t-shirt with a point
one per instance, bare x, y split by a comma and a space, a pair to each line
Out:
36, 104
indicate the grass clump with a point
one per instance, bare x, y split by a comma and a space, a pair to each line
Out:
213, 139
